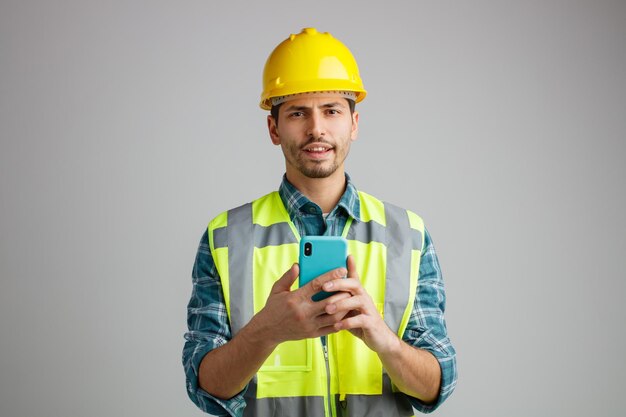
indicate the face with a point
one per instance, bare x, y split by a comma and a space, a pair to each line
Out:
315, 134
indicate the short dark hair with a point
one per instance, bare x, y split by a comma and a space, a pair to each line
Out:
274, 109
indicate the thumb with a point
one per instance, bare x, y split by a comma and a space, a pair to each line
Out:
286, 281
351, 264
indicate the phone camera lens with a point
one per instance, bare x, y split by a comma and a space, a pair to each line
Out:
308, 249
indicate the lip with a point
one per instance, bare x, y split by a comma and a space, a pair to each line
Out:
317, 150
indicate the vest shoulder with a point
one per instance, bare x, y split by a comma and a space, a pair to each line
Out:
368, 199
220, 219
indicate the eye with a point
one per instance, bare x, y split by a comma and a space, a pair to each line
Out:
296, 114
333, 112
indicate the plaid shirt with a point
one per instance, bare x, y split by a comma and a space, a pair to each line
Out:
208, 322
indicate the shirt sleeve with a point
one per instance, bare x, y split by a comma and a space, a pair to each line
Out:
426, 328
208, 329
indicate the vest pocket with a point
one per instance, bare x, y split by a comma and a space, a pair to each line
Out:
294, 355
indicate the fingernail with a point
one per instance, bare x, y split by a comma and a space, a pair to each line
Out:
328, 285
331, 308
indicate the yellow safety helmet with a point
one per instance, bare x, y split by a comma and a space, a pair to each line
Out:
310, 62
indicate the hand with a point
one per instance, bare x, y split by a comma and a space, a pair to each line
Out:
362, 318
293, 315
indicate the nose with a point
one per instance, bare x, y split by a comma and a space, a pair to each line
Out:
316, 127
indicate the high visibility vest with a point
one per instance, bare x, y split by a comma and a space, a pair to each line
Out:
253, 245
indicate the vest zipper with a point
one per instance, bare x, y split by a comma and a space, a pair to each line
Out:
330, 403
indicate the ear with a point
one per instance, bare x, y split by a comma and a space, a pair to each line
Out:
273, 130
355, 126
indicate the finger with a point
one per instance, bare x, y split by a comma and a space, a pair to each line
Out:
316, 284
351, 285
336, 300
351, 322
352, 272
286, 281
326, 320
348, 286
325, 331
337, 296
356, 303
320, 308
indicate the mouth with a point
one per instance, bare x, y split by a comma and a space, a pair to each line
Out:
318, 150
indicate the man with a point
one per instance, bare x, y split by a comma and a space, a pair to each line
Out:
258, 345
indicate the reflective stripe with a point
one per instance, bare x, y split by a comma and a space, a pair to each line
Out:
220, 237
389, 404
272, 235
372, 231
416, 239
240, 251
281, 406
397, 283
367, 232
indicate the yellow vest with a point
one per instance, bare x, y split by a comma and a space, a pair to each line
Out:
253, 245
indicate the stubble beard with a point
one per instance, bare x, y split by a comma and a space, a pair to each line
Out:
314, 169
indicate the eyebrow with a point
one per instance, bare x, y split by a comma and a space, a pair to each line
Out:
324, 106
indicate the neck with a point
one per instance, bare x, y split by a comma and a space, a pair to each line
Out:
325, 192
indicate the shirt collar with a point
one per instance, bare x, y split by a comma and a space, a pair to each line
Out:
297, 203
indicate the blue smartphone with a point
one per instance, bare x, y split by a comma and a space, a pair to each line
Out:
318, 255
